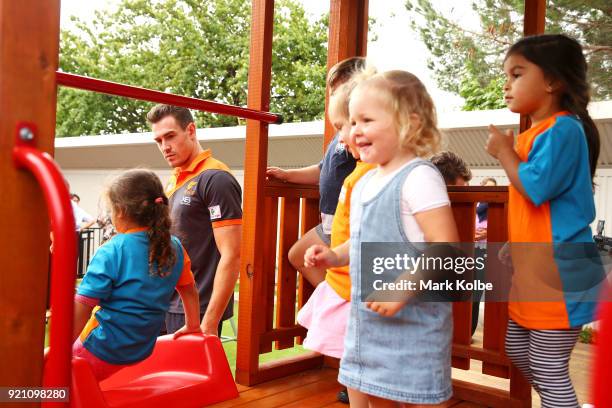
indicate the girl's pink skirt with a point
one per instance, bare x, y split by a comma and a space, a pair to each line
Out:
325, 315
101, 369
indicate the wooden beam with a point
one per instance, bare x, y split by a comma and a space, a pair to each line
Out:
535, 17
287, 366
485, 395
477, 353
287, 275
29, 44
256, 157
309, 219
534, 21
266, 315
348, 37
290, 190
283, 334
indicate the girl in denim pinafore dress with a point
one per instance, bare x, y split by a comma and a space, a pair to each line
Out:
394, 351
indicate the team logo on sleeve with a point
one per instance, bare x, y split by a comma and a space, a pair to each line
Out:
171, 184
215, 212
190, 189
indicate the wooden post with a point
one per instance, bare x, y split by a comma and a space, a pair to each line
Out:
29, 43
251, 304
534, 21
348, 37
535, 17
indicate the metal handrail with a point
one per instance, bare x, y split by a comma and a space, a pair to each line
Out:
134, 92
57, 371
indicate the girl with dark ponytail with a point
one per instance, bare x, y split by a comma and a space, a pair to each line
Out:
131, 278
551, 171
139, 196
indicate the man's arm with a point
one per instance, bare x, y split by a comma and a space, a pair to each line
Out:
228, 243
82, 218
87, 224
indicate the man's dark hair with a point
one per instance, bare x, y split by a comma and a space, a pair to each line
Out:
451, 166
182, 115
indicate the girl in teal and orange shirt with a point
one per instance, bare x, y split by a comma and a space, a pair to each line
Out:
550, 210
131, 278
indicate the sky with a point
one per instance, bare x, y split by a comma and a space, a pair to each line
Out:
397, 47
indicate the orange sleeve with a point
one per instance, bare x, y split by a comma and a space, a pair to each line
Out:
186, 277
225, 223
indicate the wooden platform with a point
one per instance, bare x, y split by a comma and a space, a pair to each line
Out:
311, 389
318, 388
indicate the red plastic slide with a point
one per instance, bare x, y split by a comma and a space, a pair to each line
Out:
191, 371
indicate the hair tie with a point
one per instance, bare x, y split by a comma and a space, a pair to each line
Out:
159, 200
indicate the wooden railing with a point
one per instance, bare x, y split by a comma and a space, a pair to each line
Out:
492, 355
277, 292
291, 210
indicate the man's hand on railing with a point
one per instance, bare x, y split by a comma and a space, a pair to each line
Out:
87, 224
276, 173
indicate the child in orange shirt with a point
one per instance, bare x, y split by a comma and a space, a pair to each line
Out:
326, 313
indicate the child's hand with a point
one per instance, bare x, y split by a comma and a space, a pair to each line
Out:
481, 233
320, 256
504, 255
186, 330
277, 173
498, 142
209, 329
385, 308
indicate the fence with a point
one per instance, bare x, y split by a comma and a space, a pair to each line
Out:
88, 240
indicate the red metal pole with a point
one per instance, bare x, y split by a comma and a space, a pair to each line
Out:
63, 261
134, 92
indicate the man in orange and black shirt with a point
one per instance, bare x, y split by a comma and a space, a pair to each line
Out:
205, 207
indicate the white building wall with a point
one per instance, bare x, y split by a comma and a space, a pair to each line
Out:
603, 192
90, 184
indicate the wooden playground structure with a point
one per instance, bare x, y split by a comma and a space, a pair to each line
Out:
29, 35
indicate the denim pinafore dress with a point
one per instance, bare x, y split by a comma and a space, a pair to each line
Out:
406, 357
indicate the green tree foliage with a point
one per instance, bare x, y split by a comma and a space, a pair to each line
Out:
469, 63
197, 48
